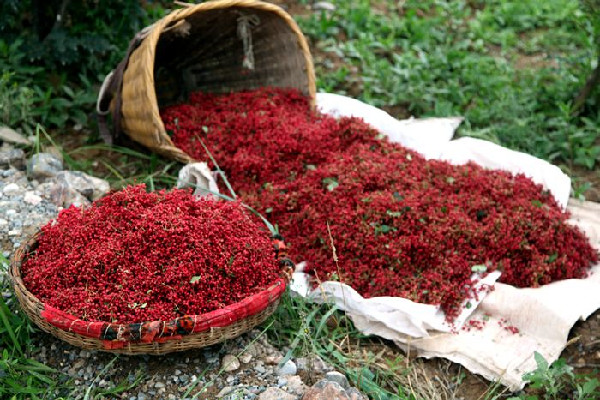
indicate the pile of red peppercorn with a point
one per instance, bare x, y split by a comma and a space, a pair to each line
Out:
402, 225
135, 256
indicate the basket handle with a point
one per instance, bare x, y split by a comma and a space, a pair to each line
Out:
111, 91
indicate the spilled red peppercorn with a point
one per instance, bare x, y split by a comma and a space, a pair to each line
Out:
135, 256
402, 225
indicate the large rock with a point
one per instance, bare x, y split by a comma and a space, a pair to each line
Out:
43, 165
12, 136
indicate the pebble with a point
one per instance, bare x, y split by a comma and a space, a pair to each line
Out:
12, 158
32, 198
273, 393
11, 136
43, 165
289, 368
246, 358
339, 378
11, 189
230, 363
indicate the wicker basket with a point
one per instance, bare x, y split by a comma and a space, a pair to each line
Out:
219, 46
213, 327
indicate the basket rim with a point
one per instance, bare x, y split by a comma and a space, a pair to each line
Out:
130, 333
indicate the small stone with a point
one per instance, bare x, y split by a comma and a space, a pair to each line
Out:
43, 165
11, 212
32, 198
274, 393
13, 158
289, 368
142, 396
314, 364
338, 377
11, 189
159, 385
355, 394
260, 369
273, 360
177, 372
15, 232
79, 364
171, 396
230, 363
12, 136
246, 358
224, 392
3, 222
325, 390
295, 384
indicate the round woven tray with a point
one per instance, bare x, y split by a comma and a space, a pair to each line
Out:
208, 329
220, 46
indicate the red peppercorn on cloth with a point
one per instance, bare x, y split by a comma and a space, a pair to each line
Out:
495, 336
432, 137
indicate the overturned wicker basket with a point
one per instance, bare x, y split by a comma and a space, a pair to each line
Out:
218, 46
154, 337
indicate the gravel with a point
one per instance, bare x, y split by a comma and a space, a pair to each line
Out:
246, 367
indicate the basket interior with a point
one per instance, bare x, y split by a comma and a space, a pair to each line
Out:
206, 53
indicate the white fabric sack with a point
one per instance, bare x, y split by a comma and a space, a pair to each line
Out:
543, 316
199, 177
427, 136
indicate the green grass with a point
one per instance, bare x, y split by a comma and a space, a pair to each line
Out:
511, 67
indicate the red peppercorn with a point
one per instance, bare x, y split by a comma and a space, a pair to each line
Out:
135, 256
402, 225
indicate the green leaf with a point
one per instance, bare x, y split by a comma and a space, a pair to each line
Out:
541, 362
590, 386
195, 279
331, 183
480, 268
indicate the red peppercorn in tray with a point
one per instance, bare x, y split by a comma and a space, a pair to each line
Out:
135, 256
